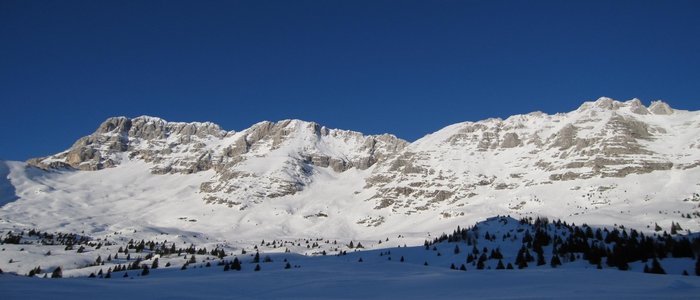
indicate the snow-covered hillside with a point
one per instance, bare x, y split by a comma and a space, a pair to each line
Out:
497, 258
608, 162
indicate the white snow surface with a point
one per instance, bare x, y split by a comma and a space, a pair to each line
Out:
457, 176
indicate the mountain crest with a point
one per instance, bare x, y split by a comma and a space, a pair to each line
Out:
605, 138
634, 105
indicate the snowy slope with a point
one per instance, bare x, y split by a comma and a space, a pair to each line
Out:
608, 162
386, 272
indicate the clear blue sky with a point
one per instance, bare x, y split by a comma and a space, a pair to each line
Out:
403, 67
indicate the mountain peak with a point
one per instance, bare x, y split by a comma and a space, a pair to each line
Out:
634, 105
659, 107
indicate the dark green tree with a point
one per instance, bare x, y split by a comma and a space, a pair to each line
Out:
500, 265
57, 273
555, 262
236, 264
656, 267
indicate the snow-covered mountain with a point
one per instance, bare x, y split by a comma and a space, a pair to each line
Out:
608, 162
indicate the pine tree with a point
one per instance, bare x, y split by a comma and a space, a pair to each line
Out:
509, 266
126, 274
145, 271
236, 264
540, 259
57, 273
257, 268
456, 249
256, 259
697, 267
462, 267
227, 267
656, 267
288, 266
452, 266
500, 265
154, 265
401, 260
555, 261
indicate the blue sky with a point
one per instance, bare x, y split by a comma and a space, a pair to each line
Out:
403, 67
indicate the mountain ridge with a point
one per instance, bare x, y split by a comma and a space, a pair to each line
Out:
606, 161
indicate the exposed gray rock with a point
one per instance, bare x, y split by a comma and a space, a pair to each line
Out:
511, 140
660, 108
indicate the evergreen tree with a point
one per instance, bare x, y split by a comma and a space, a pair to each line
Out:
401, 260
236, 264
154, 265
452, 266
462, 267
257, 268
456, 249
57, 273
697, 267
555, 261
288, 266
256, 258
500, 265
509, 266
145, 270
656, 267
227, 267
126, 274
480, 265
540, 258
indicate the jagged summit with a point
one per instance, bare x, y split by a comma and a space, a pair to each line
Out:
634, 105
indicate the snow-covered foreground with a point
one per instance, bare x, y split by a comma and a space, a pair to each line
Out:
447, 267
381, 280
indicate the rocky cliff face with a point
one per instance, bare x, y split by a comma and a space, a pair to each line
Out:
267, 160
601, 139
604, 138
